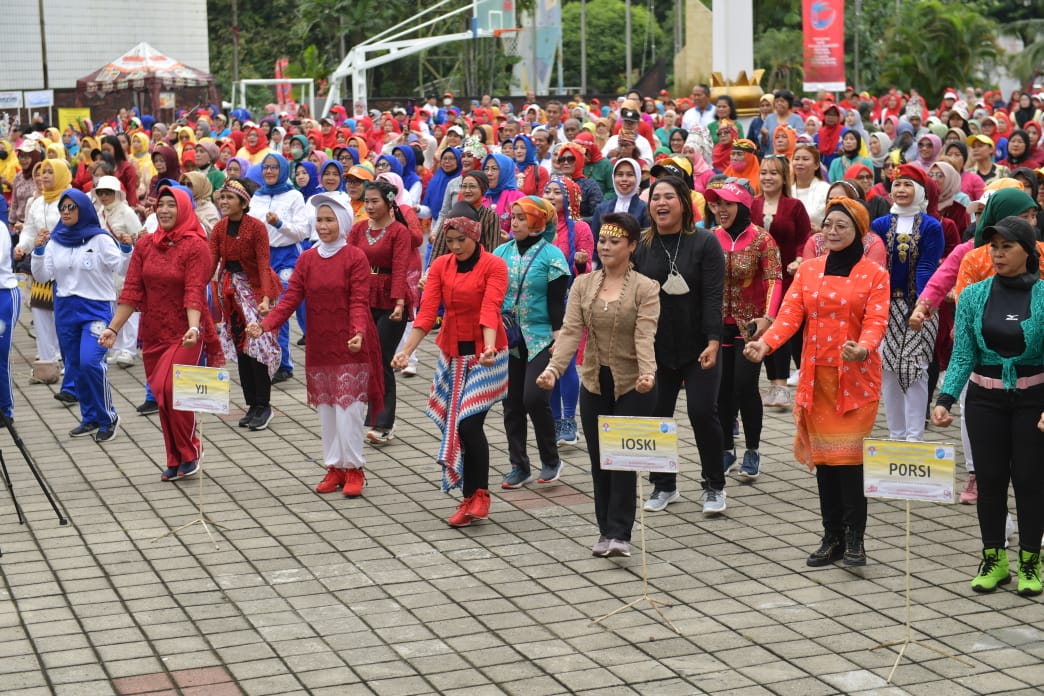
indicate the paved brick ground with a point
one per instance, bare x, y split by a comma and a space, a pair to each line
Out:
323, 595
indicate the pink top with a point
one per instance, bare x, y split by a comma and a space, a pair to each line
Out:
945, 277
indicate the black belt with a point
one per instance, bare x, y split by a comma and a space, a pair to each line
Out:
375, 270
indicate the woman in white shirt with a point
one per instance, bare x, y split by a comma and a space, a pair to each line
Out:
120, 220
10, 302
809, 186
84, 257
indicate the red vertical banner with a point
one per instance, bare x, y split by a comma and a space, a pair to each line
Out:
283, 92
824, 33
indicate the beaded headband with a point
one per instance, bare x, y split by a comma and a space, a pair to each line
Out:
236, 189
612, 230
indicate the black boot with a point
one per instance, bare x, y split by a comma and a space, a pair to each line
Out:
855, 554
829, 551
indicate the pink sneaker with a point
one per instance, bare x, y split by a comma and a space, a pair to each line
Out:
970, 494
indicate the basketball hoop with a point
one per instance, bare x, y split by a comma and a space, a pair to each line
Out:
509, 39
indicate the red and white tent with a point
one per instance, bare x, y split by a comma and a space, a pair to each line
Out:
143, 68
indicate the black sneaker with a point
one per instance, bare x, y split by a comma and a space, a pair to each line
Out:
65, 398
301, 341
83, 430
830, 550
262, 418
244, 422
107, 433
281, 375
148, 408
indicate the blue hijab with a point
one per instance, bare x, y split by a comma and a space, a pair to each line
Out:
340, 175
508, 179
531, 153
393, 162
409, 170
86, 226
436, 192
313, 186
282, 184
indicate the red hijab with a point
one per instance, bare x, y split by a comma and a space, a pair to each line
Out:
829, 137
262, 140
186, 223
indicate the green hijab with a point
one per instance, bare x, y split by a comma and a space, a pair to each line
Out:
1002, 203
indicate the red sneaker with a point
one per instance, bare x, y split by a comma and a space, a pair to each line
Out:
479, 508
461, 518
354, 480
333, 480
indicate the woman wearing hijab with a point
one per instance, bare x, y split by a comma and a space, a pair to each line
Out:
722, 154
784, 140
473, 187
282, 209
450, 168
879, 145
929, 147
570, 160
246, 288
829, 137
1019, 150
914, 244
141, 157
206, 211
538, 280
470, 284
532, 178
751, 298
306, 179
998, 349
626, 175
949, 182
42, 217
743, 164
850, 154
837, 397
255, 146
167, 280
342, 358
22, 189
503, 187
85, 256
411, 181
696, 150
167, 165
119, 220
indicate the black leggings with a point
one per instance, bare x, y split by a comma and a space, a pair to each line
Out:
614, 491
1006, 447
475, 453
253, 375
701, 401
739, 391
389, 333
777, 365
841, 499
525, 397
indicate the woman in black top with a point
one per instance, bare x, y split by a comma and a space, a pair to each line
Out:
689, 264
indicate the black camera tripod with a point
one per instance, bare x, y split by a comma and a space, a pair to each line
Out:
9, 424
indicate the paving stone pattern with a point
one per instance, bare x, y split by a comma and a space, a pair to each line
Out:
312, 594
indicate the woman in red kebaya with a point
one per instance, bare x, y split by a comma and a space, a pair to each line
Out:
247, 286
342, 356
385, 240
470, 283
175, 321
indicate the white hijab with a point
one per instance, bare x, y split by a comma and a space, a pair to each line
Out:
920, 203
345, 219
623, 203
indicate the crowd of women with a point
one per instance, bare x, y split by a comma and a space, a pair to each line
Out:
575, 260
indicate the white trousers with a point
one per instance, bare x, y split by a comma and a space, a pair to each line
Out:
46, 335
127, 338
905, 411
343, 435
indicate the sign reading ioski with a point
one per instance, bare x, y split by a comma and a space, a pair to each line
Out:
638, 444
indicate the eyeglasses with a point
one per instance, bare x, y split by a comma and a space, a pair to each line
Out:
270, 167
925, 145
67, 208
105, 192
937, 175
567, 160
382, 165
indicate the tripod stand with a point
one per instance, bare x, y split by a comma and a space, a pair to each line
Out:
6, 421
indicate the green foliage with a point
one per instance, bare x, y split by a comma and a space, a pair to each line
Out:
933, 44
606, 56
781, 53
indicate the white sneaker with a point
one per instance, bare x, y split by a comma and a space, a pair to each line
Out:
713, 501
659, 500
409, 371
792, 381
782, 398
125, 358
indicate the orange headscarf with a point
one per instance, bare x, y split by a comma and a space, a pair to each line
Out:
751, 170
791, 140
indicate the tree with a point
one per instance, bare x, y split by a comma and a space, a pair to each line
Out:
781, 53
606, 59
932, 44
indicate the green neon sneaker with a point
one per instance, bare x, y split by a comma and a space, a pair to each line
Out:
993, 571
1029, 574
